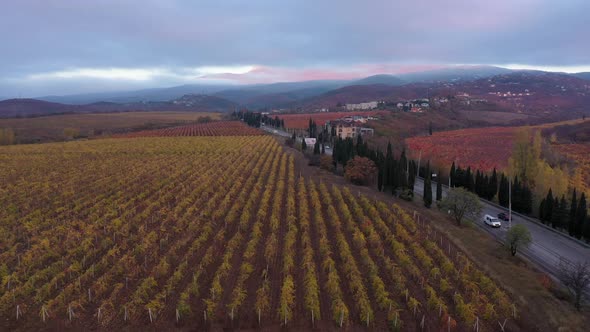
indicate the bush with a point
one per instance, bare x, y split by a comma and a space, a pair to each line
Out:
326, 163
360, 170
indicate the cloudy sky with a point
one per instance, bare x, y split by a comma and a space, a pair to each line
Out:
74, 46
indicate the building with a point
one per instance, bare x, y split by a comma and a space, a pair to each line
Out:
347, 129
362, 106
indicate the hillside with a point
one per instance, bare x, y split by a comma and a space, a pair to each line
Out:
12, 108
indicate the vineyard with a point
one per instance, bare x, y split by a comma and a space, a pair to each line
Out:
201, 232
480, 148
217, 128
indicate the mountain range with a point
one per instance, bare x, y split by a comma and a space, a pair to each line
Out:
551, 91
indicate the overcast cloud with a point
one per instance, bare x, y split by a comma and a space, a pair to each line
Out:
64, 47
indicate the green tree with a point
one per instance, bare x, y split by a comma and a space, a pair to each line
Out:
581, 214
303, 145
316, 147
518, 236
572, 217
461, 204
438, 187
452, 174
427, 187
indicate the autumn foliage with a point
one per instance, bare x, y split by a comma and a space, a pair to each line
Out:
360, 170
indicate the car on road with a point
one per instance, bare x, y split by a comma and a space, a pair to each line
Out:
503, 216
492, 221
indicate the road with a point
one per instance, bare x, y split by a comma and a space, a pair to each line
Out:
548, 248
285, 134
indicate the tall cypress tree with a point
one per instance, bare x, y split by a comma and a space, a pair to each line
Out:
452, 174
427, 187
581, 214
571, 225
387, 181
549, 206
403, 164
542, 210
493, 185
503, 191
438, 186
380, 167
412, 175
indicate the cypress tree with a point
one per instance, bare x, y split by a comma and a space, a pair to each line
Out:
412, 175
493, 185
549, 206
303, 145
527, 200
452, 174
438, 187
380, 162
571, 224
477, 183
403, 163
427, 188
516, 195
564, 213
387, 177
503, 191
581, 214
542, 210
316, 147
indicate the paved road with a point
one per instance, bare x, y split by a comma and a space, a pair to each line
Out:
548, 248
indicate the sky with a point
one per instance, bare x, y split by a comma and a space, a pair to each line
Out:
72, 46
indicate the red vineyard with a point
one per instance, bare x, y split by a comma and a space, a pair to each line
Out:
480, 148
220, 128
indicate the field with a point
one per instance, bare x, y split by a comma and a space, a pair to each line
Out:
218, 232
51, 128
301, 121
217, 128
481, 148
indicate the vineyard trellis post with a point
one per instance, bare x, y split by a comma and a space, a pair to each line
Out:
43, 313
503, 325
18, 313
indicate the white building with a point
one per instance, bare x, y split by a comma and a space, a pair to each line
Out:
362, 106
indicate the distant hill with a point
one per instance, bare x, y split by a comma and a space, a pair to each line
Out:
155, 94
193, 103
205, 103
271, 95
10, 108
454, 74
585, 76
379, 79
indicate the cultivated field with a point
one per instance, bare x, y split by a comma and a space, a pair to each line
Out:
481, 148
51, 128
217, 232
218, 128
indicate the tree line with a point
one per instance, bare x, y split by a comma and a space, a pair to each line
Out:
255, 119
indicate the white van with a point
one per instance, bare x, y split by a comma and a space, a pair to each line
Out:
492, 221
